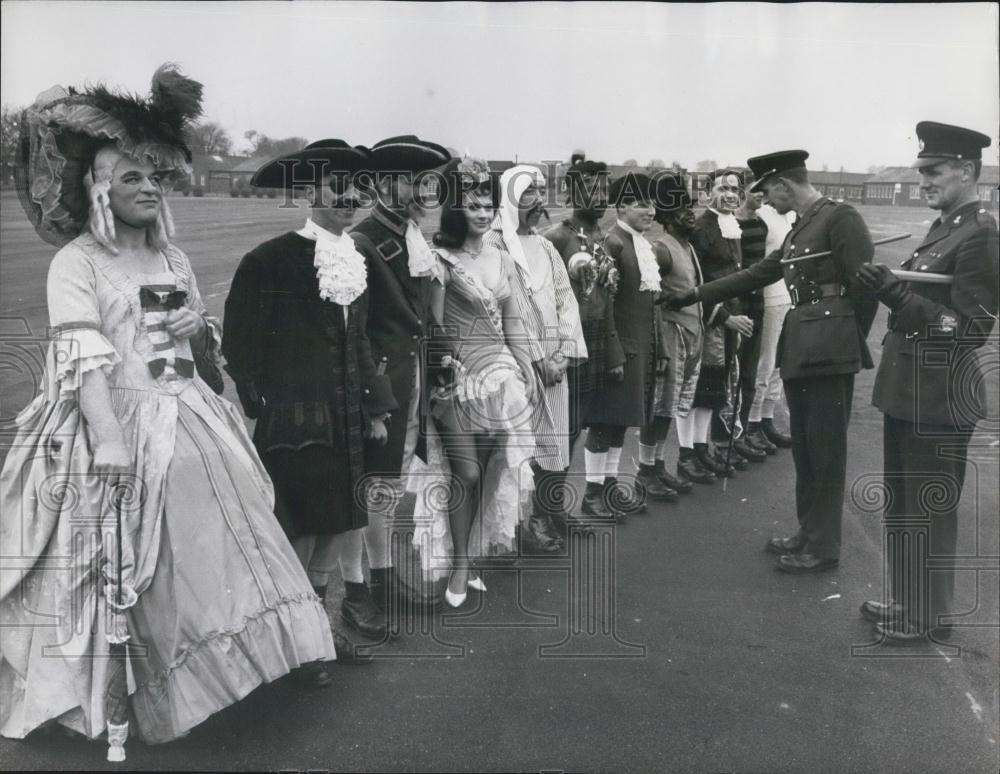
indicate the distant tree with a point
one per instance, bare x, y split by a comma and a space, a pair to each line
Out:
630, 163
874, 169
656, 163
676, 166
262, 145
209, 137
826, 168
706, 165
11, 130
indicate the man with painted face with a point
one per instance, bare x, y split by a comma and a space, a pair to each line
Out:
593, 277
626, 401
400, 266
717, 240
822, 345
679, 346
930, 383
554, 342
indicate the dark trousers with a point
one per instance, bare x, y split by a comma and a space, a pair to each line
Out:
819, 409
924, 474
749, 355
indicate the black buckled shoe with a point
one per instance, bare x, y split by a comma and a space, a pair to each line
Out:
785, 545
736, 460
312, 675
802, 562
361, 612
540, 537
774, 435
881, 613
680, 485
747, 450
652, 486
755, 436
622, 498
690, 467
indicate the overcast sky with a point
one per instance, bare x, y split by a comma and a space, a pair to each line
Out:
679, 82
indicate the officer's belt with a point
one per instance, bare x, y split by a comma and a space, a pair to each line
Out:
813, 293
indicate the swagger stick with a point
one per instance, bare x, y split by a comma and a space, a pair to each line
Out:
876, 243
116, 696
737, 407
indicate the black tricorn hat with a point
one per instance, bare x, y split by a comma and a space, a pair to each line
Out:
631, 187
671, 194
408, 153
311, 164
769, 164
941, 142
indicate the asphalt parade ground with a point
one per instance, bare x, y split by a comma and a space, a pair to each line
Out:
669, 643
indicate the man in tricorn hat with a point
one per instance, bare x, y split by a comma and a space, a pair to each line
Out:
297, 349
823, 345
400, 266
930, 383
626, 401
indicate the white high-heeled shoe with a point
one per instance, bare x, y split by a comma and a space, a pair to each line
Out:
476, 583
454, 600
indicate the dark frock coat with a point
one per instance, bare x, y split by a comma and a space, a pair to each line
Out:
628, 403
399, 327
309, 381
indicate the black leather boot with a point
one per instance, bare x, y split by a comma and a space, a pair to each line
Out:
594, 505
747, 450
774, 435
361, 612
622, 498
540, 537
650, 483
709, 460
690, 467
755, 435
683, 486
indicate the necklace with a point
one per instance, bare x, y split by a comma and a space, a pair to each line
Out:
470, 253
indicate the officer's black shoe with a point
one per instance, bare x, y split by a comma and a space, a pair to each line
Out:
709, 461
755, 435
896, 633
690, 467
881, 613
347, 651
802, 563
594, 505
647, 481
622, 498
785, 545
748, 450
683, 486
361, 612
774, 435
540, 536
736, 460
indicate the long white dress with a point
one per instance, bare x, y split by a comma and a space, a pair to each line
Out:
222, 602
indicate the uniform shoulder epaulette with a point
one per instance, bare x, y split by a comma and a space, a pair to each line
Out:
389, 249
984, 217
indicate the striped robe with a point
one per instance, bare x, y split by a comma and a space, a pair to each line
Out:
551, 318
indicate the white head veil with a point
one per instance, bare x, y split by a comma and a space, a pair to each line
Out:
513, 184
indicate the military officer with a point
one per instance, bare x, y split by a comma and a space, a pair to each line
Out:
822, 345
930, 383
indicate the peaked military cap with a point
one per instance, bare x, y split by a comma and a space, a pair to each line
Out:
941, 142
769, 164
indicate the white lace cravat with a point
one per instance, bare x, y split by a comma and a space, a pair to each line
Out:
728, 225
422, 261
649, 270
340, 268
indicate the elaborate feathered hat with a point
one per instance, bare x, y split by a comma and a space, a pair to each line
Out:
63, 130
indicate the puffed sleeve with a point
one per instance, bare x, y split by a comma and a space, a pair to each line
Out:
77, 343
